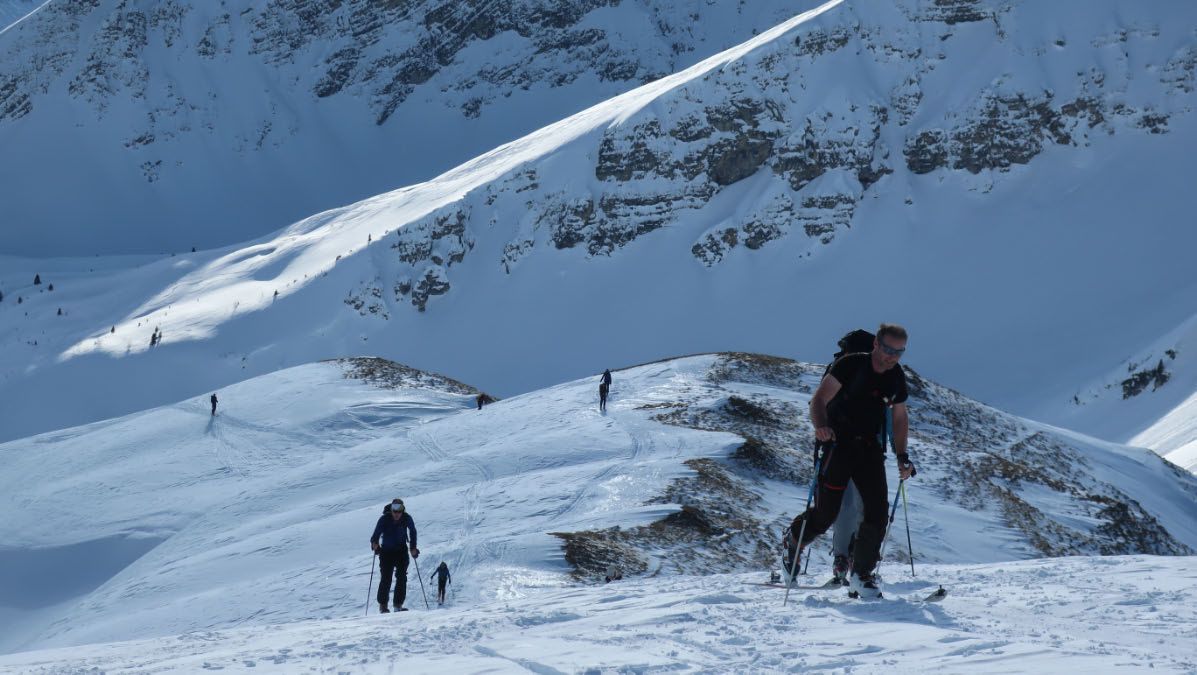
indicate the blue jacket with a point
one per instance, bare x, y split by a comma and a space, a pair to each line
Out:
394, 534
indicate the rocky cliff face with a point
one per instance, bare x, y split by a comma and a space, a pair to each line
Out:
187, 105
792, 127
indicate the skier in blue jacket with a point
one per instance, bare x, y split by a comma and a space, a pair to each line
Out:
390, 544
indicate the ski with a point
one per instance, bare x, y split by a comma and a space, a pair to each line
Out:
826, 586
935, 596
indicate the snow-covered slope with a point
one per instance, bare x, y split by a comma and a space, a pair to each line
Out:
180, 123
1150, 400
12, 11
962, 168
1103, 615
192, 523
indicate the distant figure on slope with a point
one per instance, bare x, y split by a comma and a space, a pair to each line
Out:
441, 573
613, 574
848, 411
604, 388
213, 400
393, 528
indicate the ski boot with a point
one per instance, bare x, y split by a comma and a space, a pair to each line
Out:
839, 571
864, 585
791, 554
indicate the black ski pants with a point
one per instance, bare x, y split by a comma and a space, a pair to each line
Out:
859, 459
393, 563
440, 590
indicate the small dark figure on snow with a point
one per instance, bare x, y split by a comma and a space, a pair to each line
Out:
441, 573
613, 574
604, 389
481, 400
390, 544
214, 401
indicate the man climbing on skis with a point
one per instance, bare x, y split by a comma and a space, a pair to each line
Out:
848, 412
390, 544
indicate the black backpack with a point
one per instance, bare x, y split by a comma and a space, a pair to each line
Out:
853, 342
859, 340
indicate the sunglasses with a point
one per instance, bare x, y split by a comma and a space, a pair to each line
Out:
890, 350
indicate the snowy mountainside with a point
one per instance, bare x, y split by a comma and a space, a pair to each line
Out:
181, 123
12, 11
261, 514
666, 221
1129, 400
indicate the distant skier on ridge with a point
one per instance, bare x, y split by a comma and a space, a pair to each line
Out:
848, 411
214, 401
604, 388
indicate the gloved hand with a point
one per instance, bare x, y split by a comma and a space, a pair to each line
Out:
415, 552
906, 468
374, 546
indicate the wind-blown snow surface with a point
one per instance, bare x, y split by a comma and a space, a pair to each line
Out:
1101, 615
813, 180
246, 534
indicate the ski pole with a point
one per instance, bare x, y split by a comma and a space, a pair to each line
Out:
906, 516
373, 559
892, 513
793, 571
811, 553
421, 577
